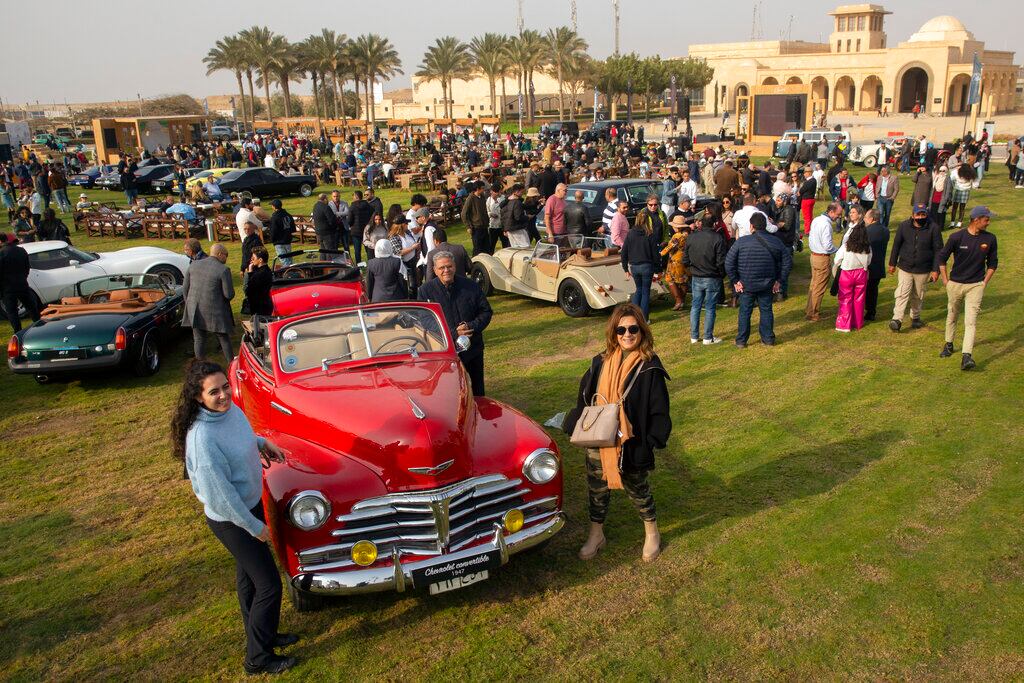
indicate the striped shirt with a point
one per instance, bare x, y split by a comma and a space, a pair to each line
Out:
608, 215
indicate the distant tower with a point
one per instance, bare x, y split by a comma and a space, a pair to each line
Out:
519, 15
572, 14
615, 12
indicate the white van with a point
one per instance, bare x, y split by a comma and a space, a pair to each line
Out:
833, 137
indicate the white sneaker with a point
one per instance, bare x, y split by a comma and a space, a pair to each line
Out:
713, 340
694, 341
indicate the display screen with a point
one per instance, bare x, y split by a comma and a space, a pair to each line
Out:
775, 114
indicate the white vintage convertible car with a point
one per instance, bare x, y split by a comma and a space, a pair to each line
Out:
872, 154
56, 265
577, 272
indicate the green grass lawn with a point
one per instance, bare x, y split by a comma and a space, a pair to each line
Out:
839, 506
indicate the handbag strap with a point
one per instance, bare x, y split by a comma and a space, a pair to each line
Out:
625, 393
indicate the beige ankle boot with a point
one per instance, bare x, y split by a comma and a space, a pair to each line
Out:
652, 542
594, 542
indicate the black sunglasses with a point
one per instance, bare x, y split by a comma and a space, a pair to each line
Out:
632, 329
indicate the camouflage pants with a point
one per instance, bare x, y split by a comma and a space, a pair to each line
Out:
635, 484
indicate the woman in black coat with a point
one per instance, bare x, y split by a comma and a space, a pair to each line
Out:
385, 275
257, 283
629, 373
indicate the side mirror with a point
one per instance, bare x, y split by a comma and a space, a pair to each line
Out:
462, 343
73, 263
527, 258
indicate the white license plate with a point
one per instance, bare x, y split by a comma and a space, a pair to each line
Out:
457, 582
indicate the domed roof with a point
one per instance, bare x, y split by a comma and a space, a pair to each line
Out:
944, 28
750, 63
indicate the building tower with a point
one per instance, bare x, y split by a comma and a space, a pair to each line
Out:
858, 28
615, 13
572, 14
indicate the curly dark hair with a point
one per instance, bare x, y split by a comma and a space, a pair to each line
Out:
187, 408
858, 242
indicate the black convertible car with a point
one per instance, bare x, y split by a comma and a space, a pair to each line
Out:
102, 322
266, 182
633, 190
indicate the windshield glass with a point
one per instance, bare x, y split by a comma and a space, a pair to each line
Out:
231, 175
345, 336
110, 283
638, 194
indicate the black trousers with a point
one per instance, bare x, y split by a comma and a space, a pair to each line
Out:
871, 300
258, 585
481, 241
199, 343
357, 246
11, 299
475, 367
496, 237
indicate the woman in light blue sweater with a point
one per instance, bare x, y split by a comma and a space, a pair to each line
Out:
222, 460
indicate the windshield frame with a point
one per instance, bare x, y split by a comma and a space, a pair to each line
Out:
146, 281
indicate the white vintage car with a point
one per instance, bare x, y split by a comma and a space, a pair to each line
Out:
56, 265
873, 154
577, 272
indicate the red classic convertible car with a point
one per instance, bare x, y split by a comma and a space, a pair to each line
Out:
395, 476
315, 284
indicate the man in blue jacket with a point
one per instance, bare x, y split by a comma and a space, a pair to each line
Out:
757, 265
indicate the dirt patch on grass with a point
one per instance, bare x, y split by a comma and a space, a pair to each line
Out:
46, 424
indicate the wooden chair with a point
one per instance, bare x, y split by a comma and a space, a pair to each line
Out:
304, 230
224, 228
439, 213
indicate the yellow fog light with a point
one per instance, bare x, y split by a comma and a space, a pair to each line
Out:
513, 521
364, 553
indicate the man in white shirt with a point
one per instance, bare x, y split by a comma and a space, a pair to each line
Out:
393, 147
819, 241
268, 161
741, 219
922, 146
339, 207
688, 186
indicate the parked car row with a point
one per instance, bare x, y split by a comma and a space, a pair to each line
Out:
158, 177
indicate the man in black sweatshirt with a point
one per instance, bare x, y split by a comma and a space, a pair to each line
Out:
974, 263
704, 256
915, 255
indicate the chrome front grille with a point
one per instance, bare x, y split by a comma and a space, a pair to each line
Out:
429, 522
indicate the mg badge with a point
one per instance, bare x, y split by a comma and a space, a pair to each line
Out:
71, 327
66, 339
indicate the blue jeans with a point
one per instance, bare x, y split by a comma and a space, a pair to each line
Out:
766, 324
62, 200
283, 249
642, 274
704, 294
130, 195
884, 210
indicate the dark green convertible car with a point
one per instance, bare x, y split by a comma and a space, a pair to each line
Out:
102, 322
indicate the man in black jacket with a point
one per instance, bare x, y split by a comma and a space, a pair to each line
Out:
466, 313
474, 215
359, 214
325, 224
282, 227
757, 265
441, 243
786, 221
576, 222
915, 256
14, 268
704, 256
878, 237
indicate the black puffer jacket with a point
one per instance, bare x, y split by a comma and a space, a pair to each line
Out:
647, 408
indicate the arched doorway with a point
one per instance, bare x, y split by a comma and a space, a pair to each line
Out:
741, 90
959, 87
913, 89
871, 94
819, 88
845, 91
769, 81
794, 80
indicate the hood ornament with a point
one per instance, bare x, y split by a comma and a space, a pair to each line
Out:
433, 471
416, 410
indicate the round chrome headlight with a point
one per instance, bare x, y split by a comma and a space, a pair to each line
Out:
308, 510
541, 466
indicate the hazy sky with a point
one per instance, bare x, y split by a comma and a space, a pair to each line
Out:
160, 45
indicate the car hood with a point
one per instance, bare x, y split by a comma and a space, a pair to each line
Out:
73, 331
390, 418
137, 252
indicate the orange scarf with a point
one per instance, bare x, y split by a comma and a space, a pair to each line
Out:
610, 384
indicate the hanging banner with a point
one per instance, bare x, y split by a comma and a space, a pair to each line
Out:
974, 95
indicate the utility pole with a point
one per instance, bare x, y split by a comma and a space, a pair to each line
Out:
572, 14
139, 95
615, 12
519, 15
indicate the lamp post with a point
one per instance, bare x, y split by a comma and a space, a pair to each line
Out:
139, 96
675, 110
629, 102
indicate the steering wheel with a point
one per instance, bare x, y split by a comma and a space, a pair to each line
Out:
96, 297
409, 338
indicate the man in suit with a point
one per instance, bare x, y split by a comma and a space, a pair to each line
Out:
888, 189
325, 224
474, 214
208, 292
14, 287
441, 243
576, 222
466, 313
878, 237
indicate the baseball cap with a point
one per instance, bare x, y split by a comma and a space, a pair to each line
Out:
83, 196
980, 212
920, 208
422, 213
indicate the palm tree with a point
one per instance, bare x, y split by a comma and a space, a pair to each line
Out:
263, 55
228, 54
287, 67
490, 57
563, 46
309, 64
528, 53
320, 51
376, 59
446, 59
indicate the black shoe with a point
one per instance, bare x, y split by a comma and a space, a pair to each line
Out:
916, 324
274, 665
967, 362
947, 350
869, 318
285, 639
741, 345
768, 343
895, 325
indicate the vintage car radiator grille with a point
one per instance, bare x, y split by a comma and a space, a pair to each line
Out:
429, 522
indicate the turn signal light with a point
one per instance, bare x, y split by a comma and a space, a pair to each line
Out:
513, 521
14, 347
120, 339
364, 553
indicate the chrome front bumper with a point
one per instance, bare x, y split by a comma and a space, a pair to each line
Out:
399, 576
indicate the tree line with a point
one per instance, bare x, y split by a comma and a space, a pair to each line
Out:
260, 58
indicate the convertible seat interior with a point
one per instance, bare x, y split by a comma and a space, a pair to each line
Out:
117, 301
304, 273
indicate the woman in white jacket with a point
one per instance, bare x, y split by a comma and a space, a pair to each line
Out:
851, 267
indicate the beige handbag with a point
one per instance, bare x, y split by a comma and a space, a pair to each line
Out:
598, 426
